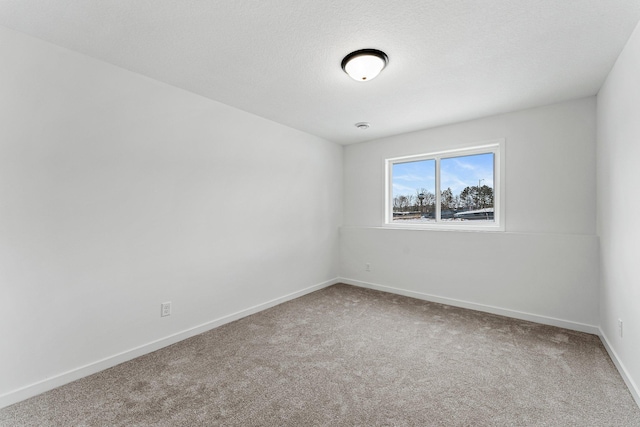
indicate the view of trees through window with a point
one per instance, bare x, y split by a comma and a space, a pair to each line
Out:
466, 189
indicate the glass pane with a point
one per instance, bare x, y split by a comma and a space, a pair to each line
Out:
467, 188
413, 193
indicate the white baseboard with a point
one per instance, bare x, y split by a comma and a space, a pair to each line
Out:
66, 377
631, 385
545, 320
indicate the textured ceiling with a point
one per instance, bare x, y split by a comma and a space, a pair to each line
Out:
450, 60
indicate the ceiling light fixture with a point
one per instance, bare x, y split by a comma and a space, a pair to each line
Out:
362, 125
364, 64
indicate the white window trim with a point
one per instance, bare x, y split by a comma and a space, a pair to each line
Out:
497, 147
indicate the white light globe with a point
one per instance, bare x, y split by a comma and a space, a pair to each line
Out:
364, 65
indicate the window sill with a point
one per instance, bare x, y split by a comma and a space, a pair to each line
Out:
446, 227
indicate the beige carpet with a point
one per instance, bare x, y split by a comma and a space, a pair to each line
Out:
346, 356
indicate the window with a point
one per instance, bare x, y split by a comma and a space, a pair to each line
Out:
455, 189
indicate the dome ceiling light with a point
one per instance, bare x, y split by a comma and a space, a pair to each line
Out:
365, 64
362, 125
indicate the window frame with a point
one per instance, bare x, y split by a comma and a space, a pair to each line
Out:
494, 146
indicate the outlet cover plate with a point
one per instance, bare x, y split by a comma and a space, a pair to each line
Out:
165, 309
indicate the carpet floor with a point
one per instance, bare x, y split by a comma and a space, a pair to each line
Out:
346, 356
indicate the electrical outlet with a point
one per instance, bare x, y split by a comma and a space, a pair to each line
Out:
620, 327
165, 309
367, 267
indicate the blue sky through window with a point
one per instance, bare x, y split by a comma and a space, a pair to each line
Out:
455, 173
409, 177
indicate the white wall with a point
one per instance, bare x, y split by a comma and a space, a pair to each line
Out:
118, 193
618, 202
543, 268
